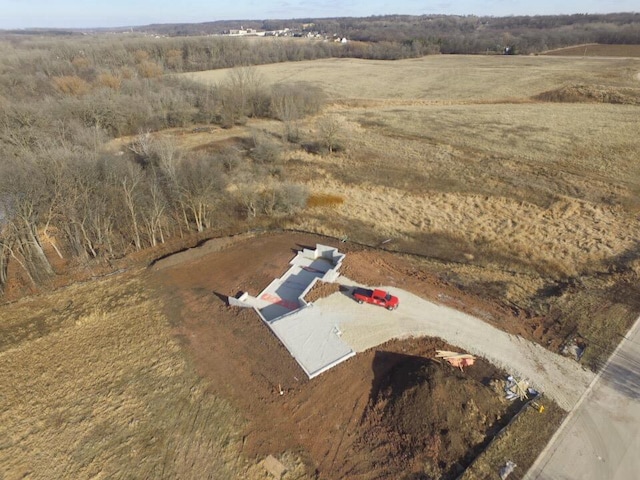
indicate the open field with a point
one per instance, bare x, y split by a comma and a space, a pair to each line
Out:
95, 386
443, 79
532, 203
522, 212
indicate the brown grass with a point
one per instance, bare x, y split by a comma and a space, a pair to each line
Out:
440, 78
96, 386
592, 94
517, 443
147, 69
71, 85
467, 160
109, 80
81, 63
435, 171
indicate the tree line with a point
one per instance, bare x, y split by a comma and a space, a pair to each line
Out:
478, 35
64, 196
426, 34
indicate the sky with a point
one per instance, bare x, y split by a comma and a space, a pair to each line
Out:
117, 13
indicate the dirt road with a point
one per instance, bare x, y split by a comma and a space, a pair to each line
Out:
366, 326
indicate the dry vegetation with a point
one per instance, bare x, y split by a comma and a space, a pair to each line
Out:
527, 203
597, 50
514, 443
466, 161
96, 384
441, 79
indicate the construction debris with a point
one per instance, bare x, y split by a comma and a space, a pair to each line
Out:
456, 359
515, 388
507, 470
574, 349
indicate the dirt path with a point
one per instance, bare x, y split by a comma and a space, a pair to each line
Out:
366, 326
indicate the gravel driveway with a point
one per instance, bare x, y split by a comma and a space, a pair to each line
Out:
366, 326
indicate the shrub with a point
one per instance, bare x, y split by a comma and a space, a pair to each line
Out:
81, 63
266, 151
148, 69
109, 80
71, 85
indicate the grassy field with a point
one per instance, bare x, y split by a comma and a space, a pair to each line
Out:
95, 386
597, 50
458, 158
443, 79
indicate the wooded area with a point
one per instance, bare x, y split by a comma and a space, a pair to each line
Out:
62, 191
392, 35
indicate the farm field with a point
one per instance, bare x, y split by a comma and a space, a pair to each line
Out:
506, 187
443, 78
598, 50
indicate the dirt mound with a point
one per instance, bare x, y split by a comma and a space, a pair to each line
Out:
591, 94
320, 290
429, 420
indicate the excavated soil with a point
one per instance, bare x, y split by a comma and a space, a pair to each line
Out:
390, 412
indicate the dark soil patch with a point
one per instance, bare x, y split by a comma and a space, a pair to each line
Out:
426, 418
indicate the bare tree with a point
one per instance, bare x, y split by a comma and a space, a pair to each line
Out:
292, 102
242, 94
201, 185
329, 128
5, 252
154, 213
22, 204
143, 146
130, 182
285, 108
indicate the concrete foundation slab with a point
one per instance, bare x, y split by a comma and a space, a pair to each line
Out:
314, 342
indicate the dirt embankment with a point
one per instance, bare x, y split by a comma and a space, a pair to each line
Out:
429, 419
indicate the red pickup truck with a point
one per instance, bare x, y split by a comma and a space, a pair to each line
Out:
377, 297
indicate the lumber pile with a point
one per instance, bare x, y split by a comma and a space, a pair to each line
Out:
455, 359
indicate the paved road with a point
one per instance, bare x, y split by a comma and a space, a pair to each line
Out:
366, 326
600, 439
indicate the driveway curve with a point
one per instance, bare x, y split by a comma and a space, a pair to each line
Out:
366, 326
